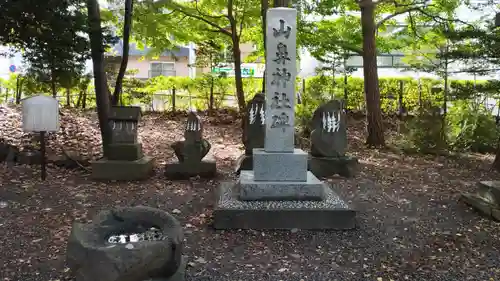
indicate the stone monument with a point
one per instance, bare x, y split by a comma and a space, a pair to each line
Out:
279, 193
125, 159
127, 244
329, 142
254, 131
486, 200
190, 153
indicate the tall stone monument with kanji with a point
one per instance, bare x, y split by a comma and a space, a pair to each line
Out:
279, 193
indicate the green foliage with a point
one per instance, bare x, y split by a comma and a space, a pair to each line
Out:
471, 127
424, 133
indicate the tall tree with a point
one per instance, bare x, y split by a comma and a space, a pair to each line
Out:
478, 47
100, 83
374, 17
200, 19
127, 27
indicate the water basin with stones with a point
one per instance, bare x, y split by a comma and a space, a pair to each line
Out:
127, 244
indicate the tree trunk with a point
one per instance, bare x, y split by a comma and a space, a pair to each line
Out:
332, 94
6, 95
53, 84
372, 93
240, 95
345, 82
400, 99
84, 99
19, 89
127, 26
68, 97
79, 100
211, 102
281, 3
101, 87
264, 5
445, 94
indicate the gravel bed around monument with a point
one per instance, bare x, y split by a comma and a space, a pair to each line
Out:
332, 201
411, 225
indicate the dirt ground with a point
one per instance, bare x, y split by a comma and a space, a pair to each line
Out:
411, 225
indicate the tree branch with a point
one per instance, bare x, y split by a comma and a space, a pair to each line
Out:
222, 30
342, 45
382, 21
241, 22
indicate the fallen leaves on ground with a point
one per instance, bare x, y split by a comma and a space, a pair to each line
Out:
411, 225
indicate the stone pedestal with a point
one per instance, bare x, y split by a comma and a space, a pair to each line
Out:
125, 151
279, 192
106, 169
185, 170
125, 162
232, 213
280, 166
282, 196
327, 166
252, 190
125, 159
486, 200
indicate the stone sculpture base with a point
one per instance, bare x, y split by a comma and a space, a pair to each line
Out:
185, 170
106, 169
244, 162
328, 166
180, 274
486, 200
280, 166
252, 190
232, 213
125, 151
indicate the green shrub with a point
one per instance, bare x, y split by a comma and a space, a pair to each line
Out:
471, 127
424, 133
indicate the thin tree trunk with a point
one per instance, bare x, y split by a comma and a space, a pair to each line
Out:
240, 95
68, 97
84, 99
332, 94
372, 93
7, 95
19, 89
79, 100
101, 87
400, 98
264, 6
346, 97
127, 26
53, 84
211, 102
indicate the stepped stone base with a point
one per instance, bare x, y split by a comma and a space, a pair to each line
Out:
232, 213
106, 169
252, 190
185, 170
244, 162
329, 166
279, 166
180, 274
486, 200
